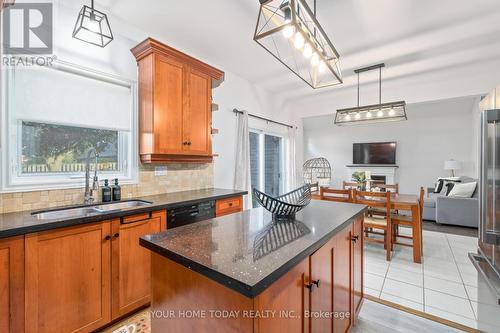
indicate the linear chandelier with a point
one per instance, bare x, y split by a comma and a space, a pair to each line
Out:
289, 31
369, 114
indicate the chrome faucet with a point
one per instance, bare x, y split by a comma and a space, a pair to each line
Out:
89, 199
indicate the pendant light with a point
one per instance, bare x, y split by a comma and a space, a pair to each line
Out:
92, 26
369, 114
290, 32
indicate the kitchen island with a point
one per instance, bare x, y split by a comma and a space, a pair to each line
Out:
246, 273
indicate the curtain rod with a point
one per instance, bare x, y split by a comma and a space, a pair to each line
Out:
265, 119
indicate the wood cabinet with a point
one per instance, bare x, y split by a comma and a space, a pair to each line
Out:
78, 279
12, 285
68, 279
228, 206
175, 102
131, 263
322, 293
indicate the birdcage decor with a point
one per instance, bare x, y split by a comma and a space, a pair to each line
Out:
317, 171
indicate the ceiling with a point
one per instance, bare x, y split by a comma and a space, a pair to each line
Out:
410, 36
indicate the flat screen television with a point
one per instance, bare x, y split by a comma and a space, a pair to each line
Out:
374, 153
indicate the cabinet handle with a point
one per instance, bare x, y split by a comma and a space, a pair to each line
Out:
108, 237
310, 286
116, 235
189, 143
230, 204
316, 282
185, 143
355, 238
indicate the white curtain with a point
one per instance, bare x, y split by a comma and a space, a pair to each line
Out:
291, 169
242, 180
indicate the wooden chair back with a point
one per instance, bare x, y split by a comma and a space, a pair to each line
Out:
374, 199
335, 195
349, 185
421, 203
314, 187
394, 188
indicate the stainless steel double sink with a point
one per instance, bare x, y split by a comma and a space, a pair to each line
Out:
88, 210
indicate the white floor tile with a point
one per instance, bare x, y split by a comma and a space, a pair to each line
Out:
406, 265
452, 304
376, 268
445, 272
402, 275
402, 301
445, 286
469, 279
403, 290
371, 292
373, 281
451, 316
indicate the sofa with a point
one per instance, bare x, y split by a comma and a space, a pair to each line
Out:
453, 211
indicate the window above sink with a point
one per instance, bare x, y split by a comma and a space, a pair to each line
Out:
54, 115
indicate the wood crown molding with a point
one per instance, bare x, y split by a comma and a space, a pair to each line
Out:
152, 46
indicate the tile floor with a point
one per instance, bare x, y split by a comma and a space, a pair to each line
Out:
444, 285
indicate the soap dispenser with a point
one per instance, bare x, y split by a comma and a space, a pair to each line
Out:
117, 191
106, 192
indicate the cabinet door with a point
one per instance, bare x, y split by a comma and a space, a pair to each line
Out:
12, 285
198, 114
169, 91
68, 279
357, 267
342, 289
322, 288
131, 263
289, 297
228, 206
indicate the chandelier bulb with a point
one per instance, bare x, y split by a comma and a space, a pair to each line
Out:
368, 114
315, 60
392, 112
322, 66
299, 40
288, 31
380, 114
357, 116
308, 51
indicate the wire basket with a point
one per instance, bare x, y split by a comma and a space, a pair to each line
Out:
284, 206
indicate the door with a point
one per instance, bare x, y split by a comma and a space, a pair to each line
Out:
131, 263
12, 285
68, 279
342, 288
321, 288
289, 297
169, 91
266, 163
357, 266
198, 114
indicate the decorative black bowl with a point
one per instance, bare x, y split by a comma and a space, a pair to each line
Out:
284, 206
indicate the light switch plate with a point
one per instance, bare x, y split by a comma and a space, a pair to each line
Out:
160, 171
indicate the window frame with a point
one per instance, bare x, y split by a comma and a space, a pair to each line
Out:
11, 152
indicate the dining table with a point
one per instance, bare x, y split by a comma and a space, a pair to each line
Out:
409, 203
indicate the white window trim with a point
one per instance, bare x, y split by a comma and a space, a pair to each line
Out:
284, 142
9, 183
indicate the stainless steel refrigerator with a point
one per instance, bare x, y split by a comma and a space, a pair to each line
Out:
487, 259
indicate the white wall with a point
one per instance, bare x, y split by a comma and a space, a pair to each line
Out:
117, 59
434, 132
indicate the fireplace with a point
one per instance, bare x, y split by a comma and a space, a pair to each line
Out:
380, 174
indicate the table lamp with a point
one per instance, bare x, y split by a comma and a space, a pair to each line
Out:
452, 165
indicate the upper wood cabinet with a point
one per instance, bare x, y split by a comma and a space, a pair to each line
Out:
175, 104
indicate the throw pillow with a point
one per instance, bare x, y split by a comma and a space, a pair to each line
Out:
465, 190
441, 185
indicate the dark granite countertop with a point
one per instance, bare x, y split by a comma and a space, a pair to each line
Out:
246, 251
14, 224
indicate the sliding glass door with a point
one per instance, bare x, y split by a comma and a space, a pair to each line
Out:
266, 162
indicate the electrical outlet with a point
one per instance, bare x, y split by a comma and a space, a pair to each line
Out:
160, 171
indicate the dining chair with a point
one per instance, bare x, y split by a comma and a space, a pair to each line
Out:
404, 220
349, 185
314, 187
377, 222
335, 195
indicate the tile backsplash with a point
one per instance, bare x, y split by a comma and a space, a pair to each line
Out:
179, 177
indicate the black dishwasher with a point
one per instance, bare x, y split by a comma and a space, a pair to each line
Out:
188, 214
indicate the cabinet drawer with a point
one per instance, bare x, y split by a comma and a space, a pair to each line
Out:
228, 206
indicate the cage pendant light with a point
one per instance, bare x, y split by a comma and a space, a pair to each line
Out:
92, 26
369, 114
290, 32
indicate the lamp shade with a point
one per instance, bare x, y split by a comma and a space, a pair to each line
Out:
452, 165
